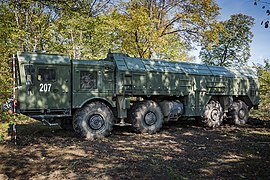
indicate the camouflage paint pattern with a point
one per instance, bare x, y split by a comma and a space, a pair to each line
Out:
54, 85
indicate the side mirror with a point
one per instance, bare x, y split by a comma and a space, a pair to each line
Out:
39, 78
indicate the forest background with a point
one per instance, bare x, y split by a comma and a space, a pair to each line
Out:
154, 29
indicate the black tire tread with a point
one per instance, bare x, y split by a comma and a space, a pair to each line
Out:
80, 118
139, 110
236, 107
206, 120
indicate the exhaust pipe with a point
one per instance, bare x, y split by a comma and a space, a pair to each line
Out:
44, 121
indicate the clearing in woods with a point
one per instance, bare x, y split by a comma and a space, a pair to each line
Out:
181, 150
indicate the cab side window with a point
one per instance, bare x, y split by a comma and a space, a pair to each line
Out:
29, 72
45, 74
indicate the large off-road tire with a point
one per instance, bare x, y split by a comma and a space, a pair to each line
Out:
239, 112
213, 114
94, 120
146, 117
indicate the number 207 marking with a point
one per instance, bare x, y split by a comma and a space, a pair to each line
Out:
45, 87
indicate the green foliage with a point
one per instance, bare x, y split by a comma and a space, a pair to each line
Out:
88, 29
5, 120
264, 79
1, 138
233, 45
82, 33
5, 51
163, 29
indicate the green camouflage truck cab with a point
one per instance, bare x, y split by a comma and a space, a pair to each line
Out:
94, 95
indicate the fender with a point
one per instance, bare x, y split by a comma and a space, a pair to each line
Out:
107, 101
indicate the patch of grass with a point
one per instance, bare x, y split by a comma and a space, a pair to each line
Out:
3, 131
7, 119
259, 114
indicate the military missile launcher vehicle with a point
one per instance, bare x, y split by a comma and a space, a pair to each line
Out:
94, 95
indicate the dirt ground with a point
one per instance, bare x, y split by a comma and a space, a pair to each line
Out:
182, 150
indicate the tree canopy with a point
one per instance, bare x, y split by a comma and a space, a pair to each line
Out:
163, 29
233, 45
264, 79
87, 29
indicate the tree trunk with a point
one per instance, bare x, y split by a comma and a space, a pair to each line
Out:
26, 31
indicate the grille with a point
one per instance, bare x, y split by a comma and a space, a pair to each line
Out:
88, 80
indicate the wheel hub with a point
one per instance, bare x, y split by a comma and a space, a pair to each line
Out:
96, 121
241, 114
215, 115
150, 118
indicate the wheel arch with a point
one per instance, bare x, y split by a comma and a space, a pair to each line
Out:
224, 100
245, 99
109, 103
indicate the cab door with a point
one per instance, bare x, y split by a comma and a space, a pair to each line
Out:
53, 84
